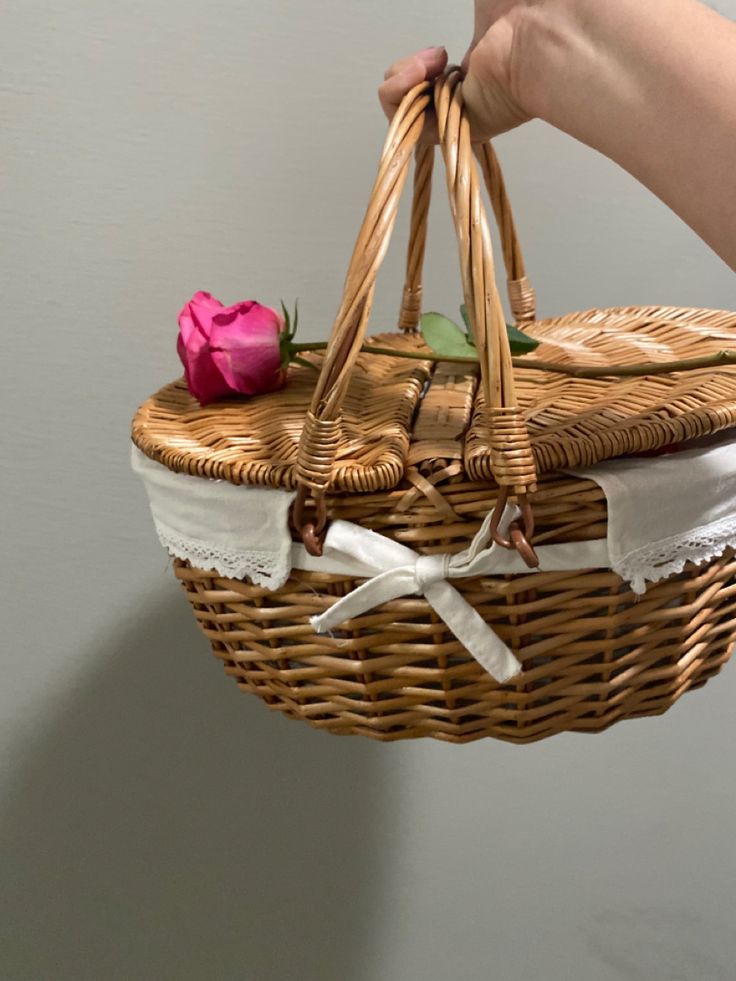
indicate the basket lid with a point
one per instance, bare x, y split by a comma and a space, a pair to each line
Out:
255, 440
577, 421
572, 421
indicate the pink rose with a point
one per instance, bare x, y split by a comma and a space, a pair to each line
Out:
227, 350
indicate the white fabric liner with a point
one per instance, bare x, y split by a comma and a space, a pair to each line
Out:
239, 532
667, 510
662, 512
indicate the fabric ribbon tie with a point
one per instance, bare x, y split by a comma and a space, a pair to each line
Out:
399, 571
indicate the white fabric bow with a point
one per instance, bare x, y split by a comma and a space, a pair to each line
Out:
400, 571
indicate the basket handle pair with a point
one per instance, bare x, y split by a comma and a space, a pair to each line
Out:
512, 461
522, 299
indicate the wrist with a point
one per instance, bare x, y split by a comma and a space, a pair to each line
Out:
651, 85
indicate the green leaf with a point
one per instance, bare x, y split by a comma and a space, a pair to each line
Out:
445, 337
519, 342
466, 320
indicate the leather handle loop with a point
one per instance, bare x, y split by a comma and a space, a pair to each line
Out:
511, 457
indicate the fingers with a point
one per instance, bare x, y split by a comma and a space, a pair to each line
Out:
434, 59
404, 74
395, 88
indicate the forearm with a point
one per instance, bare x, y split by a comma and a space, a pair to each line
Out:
652, 85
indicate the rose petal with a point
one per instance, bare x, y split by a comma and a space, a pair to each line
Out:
197, 314
203, 378
202, 375
244, 344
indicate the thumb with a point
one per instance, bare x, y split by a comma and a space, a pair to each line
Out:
490, 106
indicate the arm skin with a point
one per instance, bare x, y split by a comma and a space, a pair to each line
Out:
649, 83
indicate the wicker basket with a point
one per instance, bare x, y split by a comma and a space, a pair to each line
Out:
420, 453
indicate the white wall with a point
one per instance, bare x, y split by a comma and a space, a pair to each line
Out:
156, 823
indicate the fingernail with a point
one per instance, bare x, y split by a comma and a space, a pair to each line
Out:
432, 50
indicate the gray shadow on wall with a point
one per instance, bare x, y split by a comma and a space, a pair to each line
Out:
168, 827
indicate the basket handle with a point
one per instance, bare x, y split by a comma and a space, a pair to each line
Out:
512, 461
522, 298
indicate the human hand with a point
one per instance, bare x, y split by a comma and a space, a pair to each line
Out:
491, 85
652, 86
403, 75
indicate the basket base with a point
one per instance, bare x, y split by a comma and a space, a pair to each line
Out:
593, 652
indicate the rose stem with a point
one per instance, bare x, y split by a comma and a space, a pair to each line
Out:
576, 370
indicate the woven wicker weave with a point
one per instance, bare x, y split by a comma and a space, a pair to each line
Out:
593, 653
419, 451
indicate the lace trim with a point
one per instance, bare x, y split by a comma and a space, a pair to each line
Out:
263, 568
650, 563
668, 556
